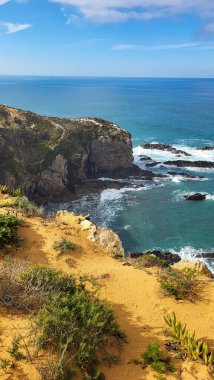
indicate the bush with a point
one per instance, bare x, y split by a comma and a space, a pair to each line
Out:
29, 208
181, 284
80, 323
150, 260
8, 230
156, 360
13, 192
64, 245
48, 280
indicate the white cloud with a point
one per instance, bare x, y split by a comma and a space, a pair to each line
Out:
14, 28
191, 45
2, 2
123, 10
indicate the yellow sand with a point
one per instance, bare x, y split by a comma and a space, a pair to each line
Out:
134, 295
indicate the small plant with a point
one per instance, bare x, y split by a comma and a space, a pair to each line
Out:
4, 364
150, 260
14, 351
28, 208
182, 284
153, 357
197, 349
64, 245
8, 230
13, 192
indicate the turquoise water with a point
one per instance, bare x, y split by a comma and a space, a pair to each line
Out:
174, 111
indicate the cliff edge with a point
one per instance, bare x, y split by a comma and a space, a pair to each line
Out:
53, 158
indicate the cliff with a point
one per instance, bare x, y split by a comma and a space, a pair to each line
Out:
54, 158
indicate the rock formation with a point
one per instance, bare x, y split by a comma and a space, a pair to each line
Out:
195, 197
54, 158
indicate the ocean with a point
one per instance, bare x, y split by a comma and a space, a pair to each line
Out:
179, 112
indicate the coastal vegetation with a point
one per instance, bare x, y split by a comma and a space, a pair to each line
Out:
180, 284
8, 230
197, 349
70, 331
64, 245
69, 322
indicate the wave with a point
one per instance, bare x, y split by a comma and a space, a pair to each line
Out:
189, 253
163, 155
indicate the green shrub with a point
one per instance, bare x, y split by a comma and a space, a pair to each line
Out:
14, 351
154, 357
29, 208
13, 192
64, 245
78, 322
197, 349
8, 230
48, 280
181, 284
150, 260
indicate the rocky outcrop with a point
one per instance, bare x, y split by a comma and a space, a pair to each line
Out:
165, 147
205, 148
55, 159
197, 265
195, 197
190, 164
171, 258
106, 239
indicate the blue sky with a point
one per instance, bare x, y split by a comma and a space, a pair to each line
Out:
151, 38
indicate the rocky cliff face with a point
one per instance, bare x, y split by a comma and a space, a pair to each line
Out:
53, 158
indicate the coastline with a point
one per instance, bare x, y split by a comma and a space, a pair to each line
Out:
134, 294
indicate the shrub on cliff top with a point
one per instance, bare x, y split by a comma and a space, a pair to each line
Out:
180, 284
8, 230
28, 208
13, 192
80, 323
150, 260
64, 245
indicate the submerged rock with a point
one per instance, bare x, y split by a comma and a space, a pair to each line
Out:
186, 175
205, 148
195, 197
165, 147
191, 164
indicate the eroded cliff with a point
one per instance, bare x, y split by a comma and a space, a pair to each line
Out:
55, 158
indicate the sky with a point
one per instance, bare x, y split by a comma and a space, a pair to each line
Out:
136, 38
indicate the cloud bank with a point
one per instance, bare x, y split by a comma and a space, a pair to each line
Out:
104, 11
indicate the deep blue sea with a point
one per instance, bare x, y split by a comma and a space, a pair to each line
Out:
179, 112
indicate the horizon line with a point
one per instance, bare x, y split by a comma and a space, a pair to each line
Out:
102, 76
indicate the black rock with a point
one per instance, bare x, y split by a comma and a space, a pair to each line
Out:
205, 255
195, 197
191, 164
205, 148
186, 175
165, 147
